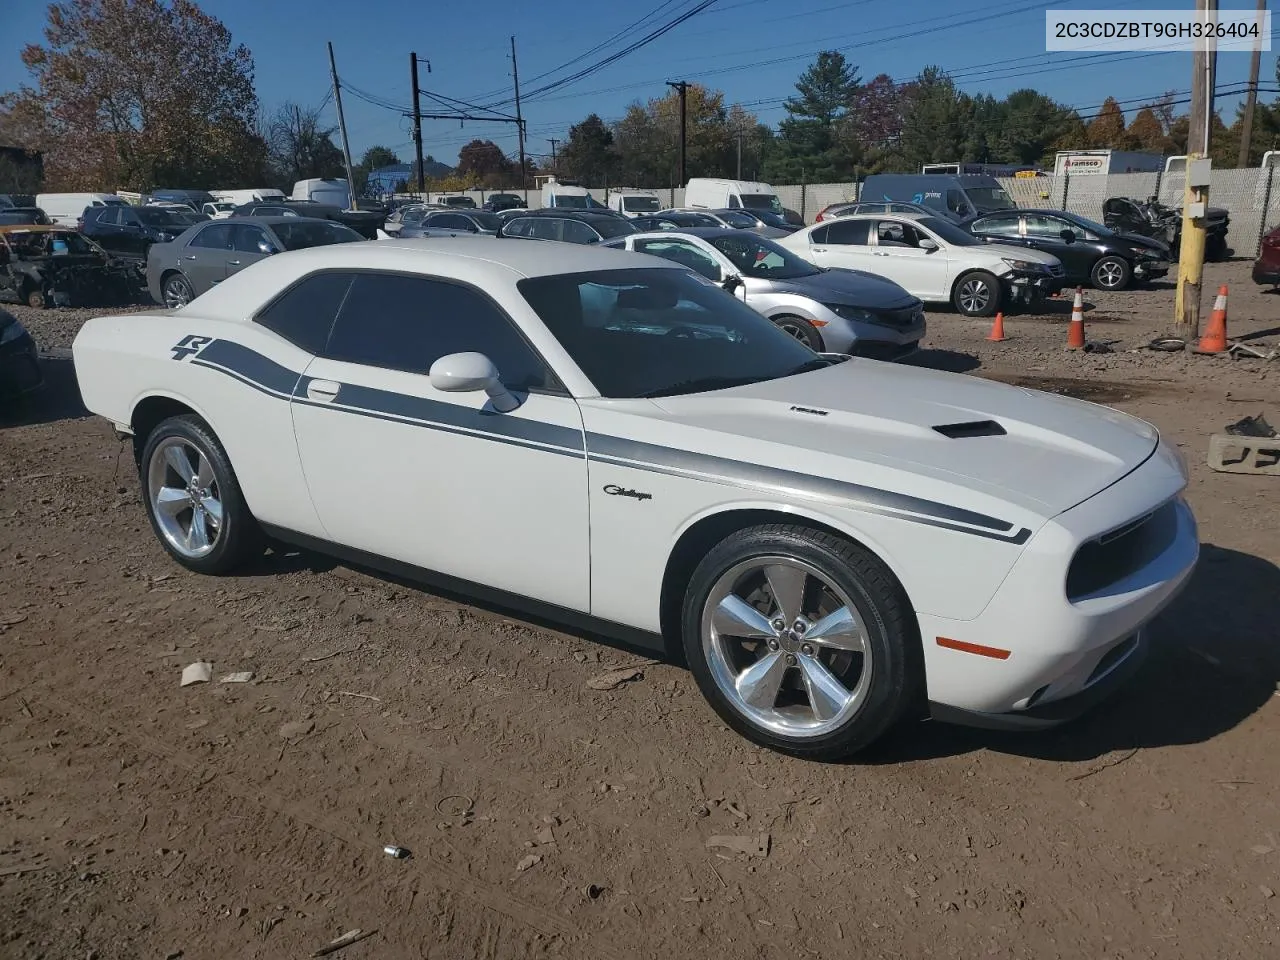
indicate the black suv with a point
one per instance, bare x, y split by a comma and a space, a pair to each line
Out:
497, 202
130, 231
364, 222
570, 226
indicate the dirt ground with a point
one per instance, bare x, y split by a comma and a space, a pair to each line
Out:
141, 819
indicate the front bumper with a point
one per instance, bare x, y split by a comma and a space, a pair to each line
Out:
880, 341
1057, 645
1150, 269
1025, 287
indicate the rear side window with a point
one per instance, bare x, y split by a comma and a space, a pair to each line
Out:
848, 232
1004, 225
408, 323
246, 238
304, 313
517, 228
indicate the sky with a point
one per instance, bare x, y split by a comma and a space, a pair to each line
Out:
753, 50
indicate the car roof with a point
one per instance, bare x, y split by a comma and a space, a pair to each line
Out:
568, 214
701, 233
276, 220
901, 215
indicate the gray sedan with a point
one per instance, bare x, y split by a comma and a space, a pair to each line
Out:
210, 252
449, 223
837, 311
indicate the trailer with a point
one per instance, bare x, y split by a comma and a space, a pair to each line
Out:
1077, 163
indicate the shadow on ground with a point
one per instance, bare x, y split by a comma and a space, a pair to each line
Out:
1213, 663
952, 361
58, 399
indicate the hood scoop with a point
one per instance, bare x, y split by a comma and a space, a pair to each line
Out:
974, 428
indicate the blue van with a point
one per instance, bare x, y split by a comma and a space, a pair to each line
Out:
958, 197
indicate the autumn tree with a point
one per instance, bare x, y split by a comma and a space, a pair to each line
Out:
1106, 130
647, 138
588, 153
482, 162
140, 94
301, 146
1146, 132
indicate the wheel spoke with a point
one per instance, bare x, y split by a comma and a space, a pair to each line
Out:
204, 472
213, 507
176, 458
758, 685
838, 630
198, 534
827, 695
171, 501
786, 583
734, 617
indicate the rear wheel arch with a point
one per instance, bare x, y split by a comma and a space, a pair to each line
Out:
150, 411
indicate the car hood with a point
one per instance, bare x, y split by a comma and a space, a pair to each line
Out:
857, 288
861, 421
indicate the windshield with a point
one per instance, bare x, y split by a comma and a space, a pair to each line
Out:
762, 201
989, 199
738, 220
659, 332
609, 227
486, 221
569, 200
691, 219
299, 236
639, 204
757, 257
948, 232
160, 216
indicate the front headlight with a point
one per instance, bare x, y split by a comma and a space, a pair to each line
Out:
1144, 252
12, 332
1029, 266
855, 314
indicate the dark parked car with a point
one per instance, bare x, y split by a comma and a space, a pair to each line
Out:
789, 221
570, 226
1090, 253
497, 202
130, 231
363, 222
747, 220
19, 364
210, 252
444, 223
1153, 219
1266, 269
675, 220
32, 216
195, 199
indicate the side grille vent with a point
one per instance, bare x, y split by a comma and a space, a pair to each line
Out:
977, 428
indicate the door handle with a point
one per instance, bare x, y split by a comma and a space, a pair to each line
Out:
233, 263
189, 256
324, 390
819, 249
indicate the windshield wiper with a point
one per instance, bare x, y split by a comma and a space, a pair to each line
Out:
701, 384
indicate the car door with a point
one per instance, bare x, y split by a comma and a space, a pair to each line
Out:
1044, 232
108, 230
249, 244
441, 480
204, 259
899, 257
842, 243
999, 228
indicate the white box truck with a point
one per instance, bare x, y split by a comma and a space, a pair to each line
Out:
634, 203
335, 192
566, 193
713, 193
1079, 163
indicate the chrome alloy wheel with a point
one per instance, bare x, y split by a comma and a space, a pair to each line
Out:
185, 497
176, 293
786, 647
974, 295
1110, 274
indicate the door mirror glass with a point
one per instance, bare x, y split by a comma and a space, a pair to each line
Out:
926, 244
267, 248
468, 373
1068, 236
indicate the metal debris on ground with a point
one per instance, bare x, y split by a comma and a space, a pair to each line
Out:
612, 679
244, 676
398, 853
346, 940
455, 805
1250, 427
752, 846
532, 860
198, 672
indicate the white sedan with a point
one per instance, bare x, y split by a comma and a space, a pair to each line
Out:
832, 544
933, 260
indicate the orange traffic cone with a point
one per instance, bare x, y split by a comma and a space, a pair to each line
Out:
1075, 332
1215, 335
997, 329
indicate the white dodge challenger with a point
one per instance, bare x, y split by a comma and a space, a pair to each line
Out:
606, 438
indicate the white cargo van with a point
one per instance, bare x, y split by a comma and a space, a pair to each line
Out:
709, 193
334, 192
566, 194
254, 195
65, 209
634, 203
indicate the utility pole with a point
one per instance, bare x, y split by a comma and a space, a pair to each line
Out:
515, 76
554, 144
342, 126
683, 87
739, 153
417, 121
1251, 102
1186, 318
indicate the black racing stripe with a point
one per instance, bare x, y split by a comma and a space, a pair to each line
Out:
197, 362
774, 477
250, 365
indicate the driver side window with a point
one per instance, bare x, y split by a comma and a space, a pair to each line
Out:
685, 254
1045, 228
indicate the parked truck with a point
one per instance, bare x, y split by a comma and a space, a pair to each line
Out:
1078, 163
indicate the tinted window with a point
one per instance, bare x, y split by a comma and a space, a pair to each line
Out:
408, 323
154, 216
246, 238
448, 221
518, 228
304, 313
683, 253
545, 228
107, 216
1046, 228
576, 232
216, 235
819, 234
485, 221
617, 227
1005, 226
311, 233
758, 257
848, 232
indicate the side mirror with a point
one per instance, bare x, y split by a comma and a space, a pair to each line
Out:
264, 247
469, 372
1068, 236
731, 283
927, 245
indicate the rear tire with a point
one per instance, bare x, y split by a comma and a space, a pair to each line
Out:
977, 294
176, 291
801, 641
801, 329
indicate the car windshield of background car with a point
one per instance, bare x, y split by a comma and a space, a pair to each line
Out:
739, 220
299, 236
762, 201
570, 202
989, 199
758, 257
609, 227
949, 233
639, 204
661, 332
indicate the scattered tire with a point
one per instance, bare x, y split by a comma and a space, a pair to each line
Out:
193, 498
801, 641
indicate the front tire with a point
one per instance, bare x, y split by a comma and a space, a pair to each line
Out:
193, 498
801, 329
801, 641
1111, 273
977, 294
